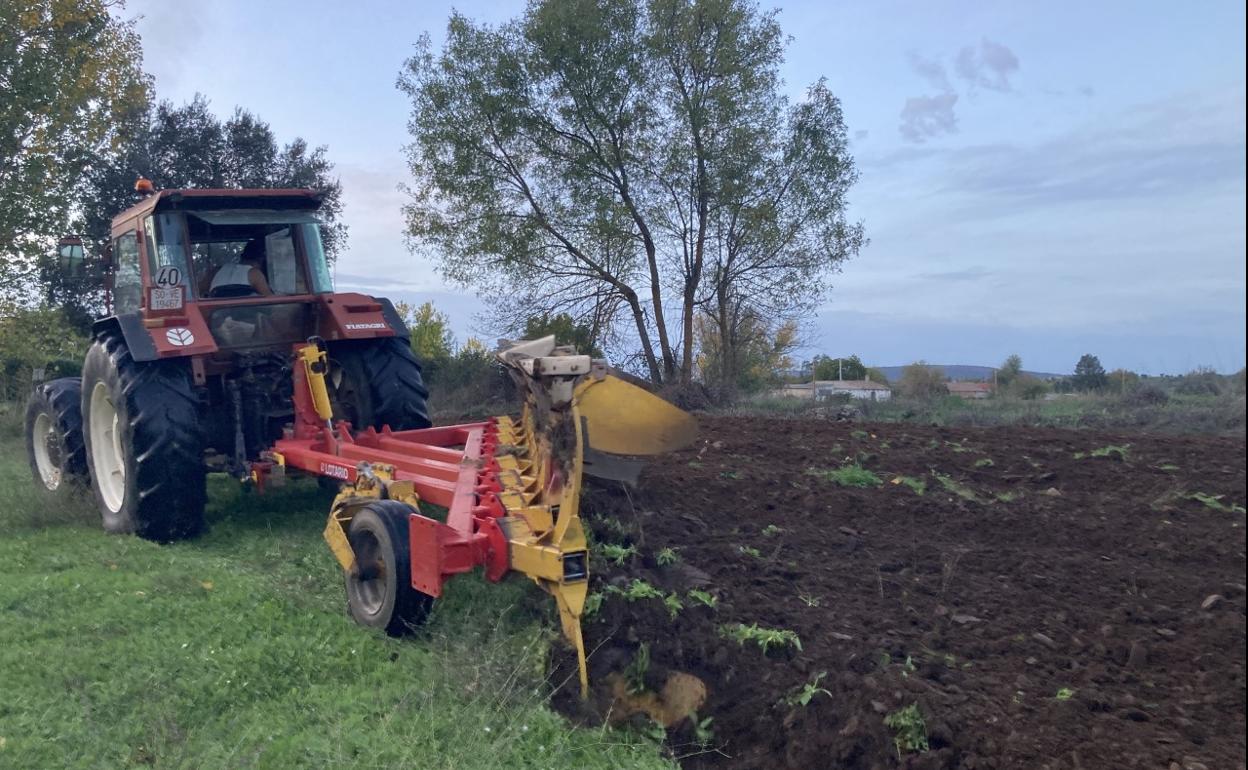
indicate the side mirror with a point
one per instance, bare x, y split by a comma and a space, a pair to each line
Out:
70, 255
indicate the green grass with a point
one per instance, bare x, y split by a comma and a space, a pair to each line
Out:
235, 651
1214, 502
848, 476
765, 638
1105, 451
918, 486
949, 484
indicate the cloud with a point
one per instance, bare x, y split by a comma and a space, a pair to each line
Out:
990, 66
861, 135
927, 117
1170, 147
930, 70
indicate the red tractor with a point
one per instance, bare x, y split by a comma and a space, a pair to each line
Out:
226, 349
191, 370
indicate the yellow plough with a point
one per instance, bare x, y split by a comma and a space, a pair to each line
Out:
511, 488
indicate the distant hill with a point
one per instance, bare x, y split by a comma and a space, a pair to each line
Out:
962, 372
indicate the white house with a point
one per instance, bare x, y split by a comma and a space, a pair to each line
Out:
820, 390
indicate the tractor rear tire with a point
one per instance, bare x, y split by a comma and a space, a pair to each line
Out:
379, 589
378, 382
54, 442
144, 443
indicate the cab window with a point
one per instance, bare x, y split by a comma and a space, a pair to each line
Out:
166, 250
128, 278
233, 253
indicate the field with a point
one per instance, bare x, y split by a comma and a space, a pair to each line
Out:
858, 595
935, 597
235, 651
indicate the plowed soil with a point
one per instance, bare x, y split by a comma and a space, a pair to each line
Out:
1043, 604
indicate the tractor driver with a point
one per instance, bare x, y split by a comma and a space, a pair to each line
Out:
244, 277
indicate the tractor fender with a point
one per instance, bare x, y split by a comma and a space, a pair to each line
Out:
130, 327
393, 318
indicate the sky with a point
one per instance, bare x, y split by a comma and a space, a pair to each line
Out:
1048, 179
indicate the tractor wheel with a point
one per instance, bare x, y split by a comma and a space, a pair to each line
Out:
379, 589
377, 382
54, 445
144, 442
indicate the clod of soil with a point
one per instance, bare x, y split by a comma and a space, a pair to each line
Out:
1036, 611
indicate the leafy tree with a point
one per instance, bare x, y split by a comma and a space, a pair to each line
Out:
70, 77
760, 354
603, 158
32, 338
851, 368
1028, 387
430, 331
922, 381
566, 330
1089, 374
185, 146
189, 146
1009, 370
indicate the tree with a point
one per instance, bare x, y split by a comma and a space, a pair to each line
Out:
922, 381
1028, 387
70, 75
759, 354
1009, 370
429, 330
189, 146
603, 158
32, 338
851, 368
185, 146
1089, 374
566, 330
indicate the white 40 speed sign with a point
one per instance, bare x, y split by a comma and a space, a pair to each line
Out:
168, 293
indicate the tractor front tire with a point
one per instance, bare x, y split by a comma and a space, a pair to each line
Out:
54, 442
144, 443
379, 588
378, 382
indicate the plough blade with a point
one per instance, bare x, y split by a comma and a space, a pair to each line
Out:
624, 419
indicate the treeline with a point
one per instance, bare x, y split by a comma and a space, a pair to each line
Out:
78, 126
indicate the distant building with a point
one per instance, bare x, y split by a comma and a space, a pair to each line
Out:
820, 390
969, 390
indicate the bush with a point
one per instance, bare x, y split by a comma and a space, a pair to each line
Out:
922, 381
469, 384
1202, 382
1028, 388
1145, 395
36, 338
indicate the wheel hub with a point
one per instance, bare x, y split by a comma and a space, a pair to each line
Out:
107, 457
48, 455
369, 578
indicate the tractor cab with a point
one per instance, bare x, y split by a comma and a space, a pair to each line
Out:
246, 266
